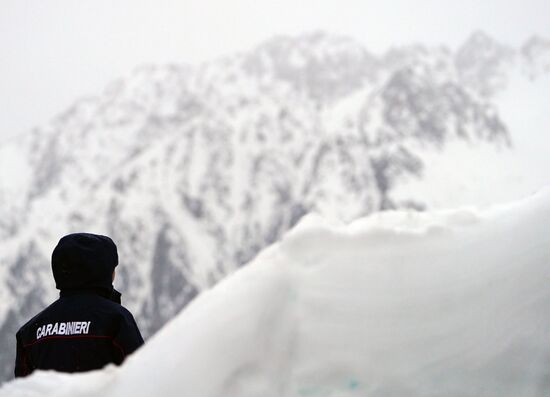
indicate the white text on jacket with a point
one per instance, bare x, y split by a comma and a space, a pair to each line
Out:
69, 328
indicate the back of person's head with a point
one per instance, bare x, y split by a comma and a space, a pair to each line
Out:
84, 260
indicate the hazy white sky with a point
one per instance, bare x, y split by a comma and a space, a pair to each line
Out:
53, 51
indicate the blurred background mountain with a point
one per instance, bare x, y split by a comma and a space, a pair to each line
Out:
194, 168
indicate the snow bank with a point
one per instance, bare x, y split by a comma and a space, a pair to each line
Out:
447, 303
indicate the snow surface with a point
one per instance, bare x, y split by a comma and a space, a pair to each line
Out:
446, 303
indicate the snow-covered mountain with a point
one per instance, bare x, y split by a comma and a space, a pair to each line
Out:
400, 303
194, 169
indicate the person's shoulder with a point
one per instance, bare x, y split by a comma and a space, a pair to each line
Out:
125, 312
36, 319
114, 307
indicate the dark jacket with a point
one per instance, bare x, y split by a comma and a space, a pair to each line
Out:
86, 328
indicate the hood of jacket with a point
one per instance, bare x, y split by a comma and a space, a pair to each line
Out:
84, 261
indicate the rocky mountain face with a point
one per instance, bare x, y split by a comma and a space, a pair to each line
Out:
193, 170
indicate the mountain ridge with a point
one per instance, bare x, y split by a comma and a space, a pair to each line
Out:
194, 169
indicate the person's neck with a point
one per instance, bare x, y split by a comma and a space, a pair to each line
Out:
112, 294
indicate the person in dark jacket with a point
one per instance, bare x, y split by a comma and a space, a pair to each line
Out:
87, 327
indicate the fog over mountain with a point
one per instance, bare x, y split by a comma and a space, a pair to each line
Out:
193, 169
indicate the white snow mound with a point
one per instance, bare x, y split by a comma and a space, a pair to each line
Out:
447, 303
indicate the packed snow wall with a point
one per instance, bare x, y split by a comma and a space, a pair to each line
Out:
447, 303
